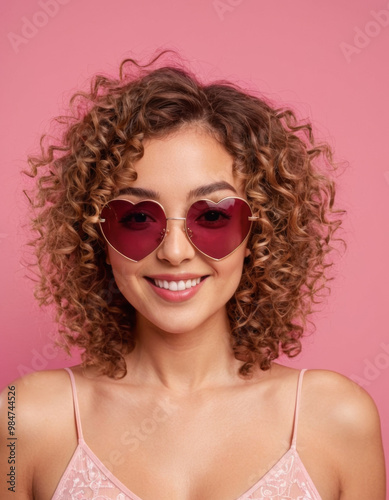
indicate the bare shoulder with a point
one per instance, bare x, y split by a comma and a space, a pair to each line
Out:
332, 394
36, 394
40, 408
345, 404
343, 420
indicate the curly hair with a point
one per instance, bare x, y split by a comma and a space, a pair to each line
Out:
288, 182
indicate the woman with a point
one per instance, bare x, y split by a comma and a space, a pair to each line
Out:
184, 232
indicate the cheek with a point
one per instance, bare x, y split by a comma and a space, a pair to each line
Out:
123, 271
123, 278
231, 269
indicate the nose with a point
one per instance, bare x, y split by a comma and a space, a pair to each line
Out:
176, 247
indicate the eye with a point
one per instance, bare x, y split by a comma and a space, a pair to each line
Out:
213, 218
136, 217
137, 220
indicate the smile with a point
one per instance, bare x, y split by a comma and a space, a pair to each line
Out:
176, 286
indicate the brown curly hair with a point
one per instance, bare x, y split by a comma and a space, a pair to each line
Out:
288, 182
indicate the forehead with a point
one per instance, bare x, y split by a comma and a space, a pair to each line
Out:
183, 161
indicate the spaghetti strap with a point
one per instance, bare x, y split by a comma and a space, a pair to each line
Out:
75, 404
297, 407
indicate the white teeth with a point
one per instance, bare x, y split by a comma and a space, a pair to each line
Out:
175, 286
181, 285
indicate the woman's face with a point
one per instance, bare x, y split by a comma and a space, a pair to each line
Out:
174, 167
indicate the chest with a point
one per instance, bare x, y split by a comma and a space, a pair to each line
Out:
166, 449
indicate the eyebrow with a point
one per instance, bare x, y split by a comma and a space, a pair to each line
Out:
204, 190
140, 192
211, 188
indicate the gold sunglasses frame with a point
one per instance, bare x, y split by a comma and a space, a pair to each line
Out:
186, 230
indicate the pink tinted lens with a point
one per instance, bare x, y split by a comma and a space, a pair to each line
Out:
134, 230
217, 229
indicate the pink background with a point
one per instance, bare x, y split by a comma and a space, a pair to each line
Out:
328, 60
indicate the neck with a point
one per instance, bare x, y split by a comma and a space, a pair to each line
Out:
183, 362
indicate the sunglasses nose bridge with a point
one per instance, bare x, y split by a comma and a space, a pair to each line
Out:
184, 228
176, 246
176, 218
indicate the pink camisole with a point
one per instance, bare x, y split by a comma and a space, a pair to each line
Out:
87, 478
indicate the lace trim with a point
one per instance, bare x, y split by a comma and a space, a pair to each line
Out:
85, 480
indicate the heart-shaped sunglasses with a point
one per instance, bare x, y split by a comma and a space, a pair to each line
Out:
214, 229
